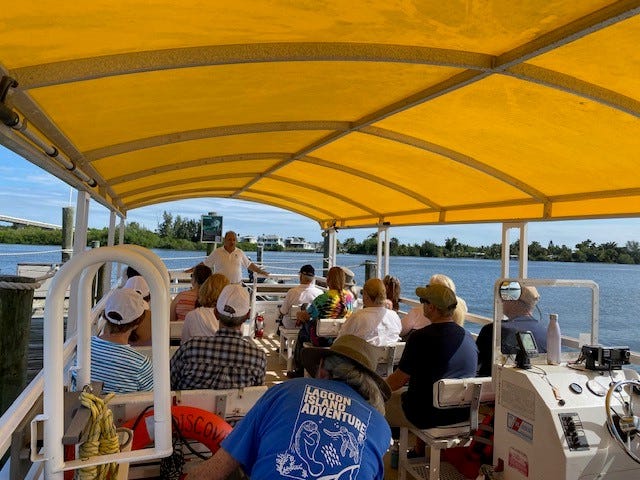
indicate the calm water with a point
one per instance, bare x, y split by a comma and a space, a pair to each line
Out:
474, 278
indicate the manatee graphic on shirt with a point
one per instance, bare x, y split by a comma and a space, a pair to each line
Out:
327, 439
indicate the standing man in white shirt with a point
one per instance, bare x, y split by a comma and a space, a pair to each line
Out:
303, 293
229, 260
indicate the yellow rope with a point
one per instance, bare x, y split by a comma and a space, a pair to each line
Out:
102, 438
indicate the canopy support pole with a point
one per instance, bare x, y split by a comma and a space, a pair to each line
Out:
523, 252
79, 246
383, 252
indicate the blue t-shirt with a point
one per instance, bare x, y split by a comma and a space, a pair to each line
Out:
307, 429
439, 350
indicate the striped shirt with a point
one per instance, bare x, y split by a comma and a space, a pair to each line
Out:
185, 302
120, 367
225, 360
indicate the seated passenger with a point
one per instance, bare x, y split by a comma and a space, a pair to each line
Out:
141, 335
350, 286
187, 300
375, 322
392, 287
306, 292
113, 361
519, 319
334, 303
202, 321
329, 426
225, 360
461, 309
442, 349
415, 318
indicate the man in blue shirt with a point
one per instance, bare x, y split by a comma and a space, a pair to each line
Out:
519, 313
330, 426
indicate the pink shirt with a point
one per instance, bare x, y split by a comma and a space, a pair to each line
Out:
185, 302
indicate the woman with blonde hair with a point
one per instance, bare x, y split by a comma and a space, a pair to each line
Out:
377, 324
202, 322
460, 312
415, 318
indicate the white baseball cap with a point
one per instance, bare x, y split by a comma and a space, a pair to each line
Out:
233, 301
138, 284
124, 306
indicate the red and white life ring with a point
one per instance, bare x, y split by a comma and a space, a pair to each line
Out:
194, 423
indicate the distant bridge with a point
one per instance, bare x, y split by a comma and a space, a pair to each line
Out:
31, 223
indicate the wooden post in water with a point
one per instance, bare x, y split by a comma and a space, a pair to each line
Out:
16, 303
67, 233
370, 269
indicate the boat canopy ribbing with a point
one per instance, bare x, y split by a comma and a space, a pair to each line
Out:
352, 113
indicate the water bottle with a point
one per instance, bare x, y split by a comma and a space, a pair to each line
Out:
553, 340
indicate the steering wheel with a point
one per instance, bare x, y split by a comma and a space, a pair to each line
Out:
625, 427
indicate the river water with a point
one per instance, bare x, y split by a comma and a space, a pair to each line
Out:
475, 278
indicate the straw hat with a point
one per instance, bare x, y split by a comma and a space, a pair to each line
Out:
355, 349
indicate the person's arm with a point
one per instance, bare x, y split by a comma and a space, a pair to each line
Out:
218, 467
285, 308
408, 322
397, 379
255, 268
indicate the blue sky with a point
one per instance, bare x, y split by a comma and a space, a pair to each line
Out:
26, 191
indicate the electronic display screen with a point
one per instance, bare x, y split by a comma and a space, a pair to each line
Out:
527, 342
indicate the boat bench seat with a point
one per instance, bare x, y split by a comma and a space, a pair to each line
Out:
390, 358
231, 404
288, 337
447, 393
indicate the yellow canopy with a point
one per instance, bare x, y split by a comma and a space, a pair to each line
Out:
353, 113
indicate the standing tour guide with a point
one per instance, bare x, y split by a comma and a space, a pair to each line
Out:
229, 260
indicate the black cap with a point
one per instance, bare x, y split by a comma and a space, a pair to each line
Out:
308, 270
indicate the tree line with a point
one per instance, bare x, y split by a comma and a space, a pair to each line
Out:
178, 233
586, 251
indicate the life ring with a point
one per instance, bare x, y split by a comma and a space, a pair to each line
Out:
194, 423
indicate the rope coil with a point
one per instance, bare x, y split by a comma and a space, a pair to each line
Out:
102, 438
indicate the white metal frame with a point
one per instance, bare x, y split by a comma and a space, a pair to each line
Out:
84, 265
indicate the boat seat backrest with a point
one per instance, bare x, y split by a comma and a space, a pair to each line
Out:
175, 329
329, 327
389, 358
464, 392
231, 404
